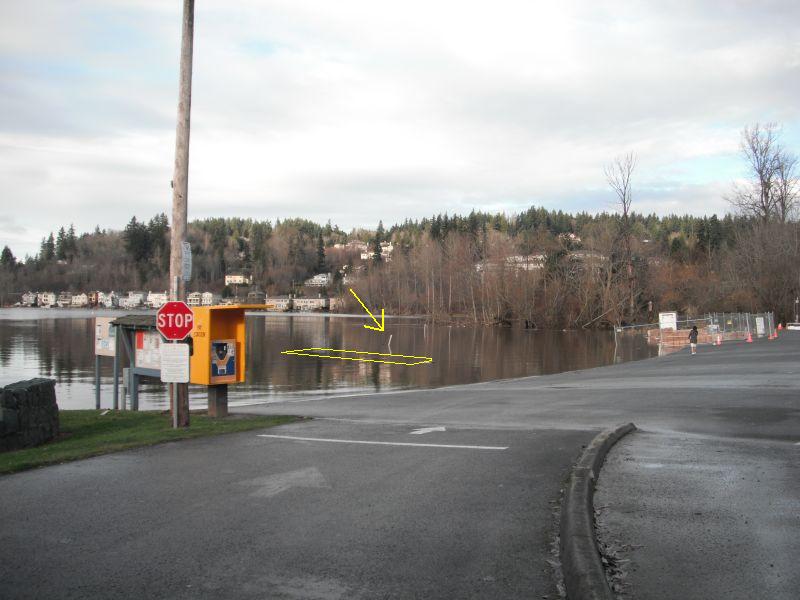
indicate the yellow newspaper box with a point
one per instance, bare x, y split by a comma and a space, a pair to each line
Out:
218, 345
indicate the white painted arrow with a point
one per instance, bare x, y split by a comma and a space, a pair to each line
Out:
427, 430
270, 485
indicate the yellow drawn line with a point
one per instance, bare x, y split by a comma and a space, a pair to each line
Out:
380, 326
418, 360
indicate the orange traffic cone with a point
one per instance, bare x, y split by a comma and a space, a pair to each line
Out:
780, 326
719, 339
749, 339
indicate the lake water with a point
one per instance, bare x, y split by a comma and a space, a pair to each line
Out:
58, 343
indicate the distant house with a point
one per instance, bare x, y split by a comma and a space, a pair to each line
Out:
29, 299
309, 304
209, 299
80, 301
133, 300
528, 262
94, 297
588, 256
320, 280
278, 304
352, 246
194, 299
64, 299
238, 279
348, 274
156, 299
109, 300
570, 237
386, 252
256, 297
46, 299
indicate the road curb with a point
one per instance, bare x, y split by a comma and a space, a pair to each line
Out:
584, 576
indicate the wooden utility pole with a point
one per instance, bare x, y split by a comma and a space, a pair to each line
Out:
180, 189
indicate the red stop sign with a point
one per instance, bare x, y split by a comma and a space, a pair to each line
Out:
174, 320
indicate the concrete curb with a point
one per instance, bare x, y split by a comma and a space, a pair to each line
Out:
584, 576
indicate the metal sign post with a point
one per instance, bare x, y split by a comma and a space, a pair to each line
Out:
175, 321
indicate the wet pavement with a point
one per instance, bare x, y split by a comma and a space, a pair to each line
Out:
702, 517
444, 493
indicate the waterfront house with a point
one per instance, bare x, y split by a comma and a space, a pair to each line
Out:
278, 304
157, 299
64, 299
29, 299
80, 301
256, 297
46, 299
310, 304
133, 300
109, 300
209, 299
194, 299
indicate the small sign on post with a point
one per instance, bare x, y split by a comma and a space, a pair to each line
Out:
175, 363
186, 259
668, 320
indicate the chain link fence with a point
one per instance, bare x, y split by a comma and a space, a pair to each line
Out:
713, 328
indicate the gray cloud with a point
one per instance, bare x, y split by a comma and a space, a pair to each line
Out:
346, 112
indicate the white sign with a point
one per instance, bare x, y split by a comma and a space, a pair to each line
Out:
760, 326
175, 363
105, 340
668, 320
146, 350
187, 260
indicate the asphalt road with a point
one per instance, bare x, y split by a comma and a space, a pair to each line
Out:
694, 517
270, 517
243, 516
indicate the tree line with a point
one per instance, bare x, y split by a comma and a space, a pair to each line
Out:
542, 268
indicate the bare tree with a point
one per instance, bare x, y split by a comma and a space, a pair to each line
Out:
619, 175
760, 149
785, 186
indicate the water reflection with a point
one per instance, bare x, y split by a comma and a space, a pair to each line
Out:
38, 345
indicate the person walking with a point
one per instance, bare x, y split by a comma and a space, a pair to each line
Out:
693, 339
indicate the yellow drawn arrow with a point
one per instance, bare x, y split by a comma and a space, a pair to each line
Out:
379, 325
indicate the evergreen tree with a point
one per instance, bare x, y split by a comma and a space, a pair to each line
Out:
50, 247
436, 227
321, 253
61, 244
137, 241
71, 243
376, 250
715, 233
7, 259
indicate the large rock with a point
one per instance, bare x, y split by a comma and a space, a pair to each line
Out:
28, 413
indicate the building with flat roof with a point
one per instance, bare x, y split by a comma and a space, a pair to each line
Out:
238, 279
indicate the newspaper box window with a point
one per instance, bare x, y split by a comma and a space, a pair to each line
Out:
223, 361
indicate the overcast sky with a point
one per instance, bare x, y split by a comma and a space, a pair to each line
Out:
360, 111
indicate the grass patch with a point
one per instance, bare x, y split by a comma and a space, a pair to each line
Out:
86, 433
